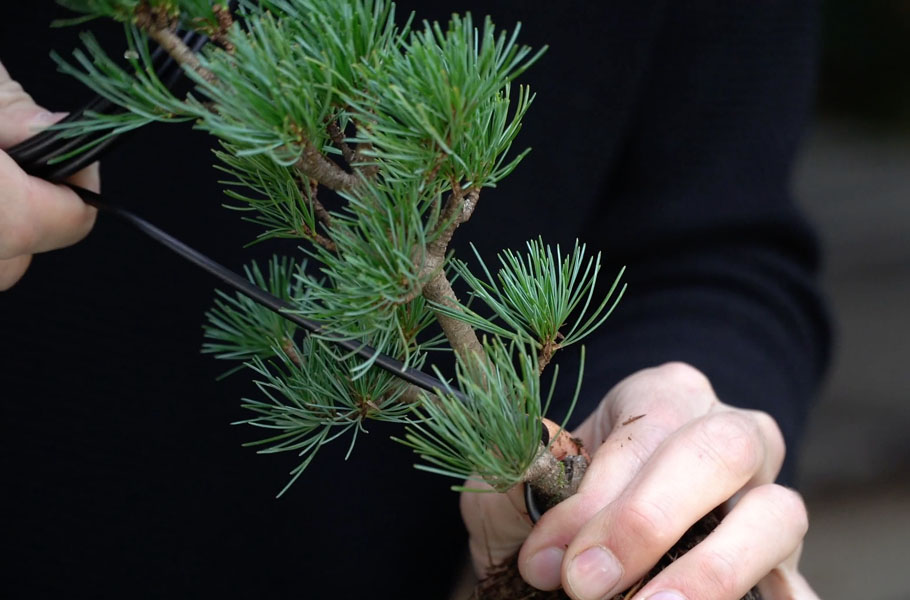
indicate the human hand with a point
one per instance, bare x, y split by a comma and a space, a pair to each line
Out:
35, 216
649, 480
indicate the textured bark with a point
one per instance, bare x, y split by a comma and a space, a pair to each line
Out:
314, 164
458, 209
174, 46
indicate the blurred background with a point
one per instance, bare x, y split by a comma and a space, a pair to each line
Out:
854, 181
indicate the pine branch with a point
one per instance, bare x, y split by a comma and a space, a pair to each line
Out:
225, 22
179, 51
459, 208
321, 213
558, 468
546, 354
309, 189
352, 156
158, 26
289, 348
314, 164
337, 137
318, 238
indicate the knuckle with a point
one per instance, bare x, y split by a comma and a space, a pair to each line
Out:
771, 432
647, 523
718, 572
11, 93
733, 440
677, 391
786, 506
684, 376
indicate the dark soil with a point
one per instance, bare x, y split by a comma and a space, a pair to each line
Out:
505, 583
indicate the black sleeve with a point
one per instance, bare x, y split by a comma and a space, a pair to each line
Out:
721, 266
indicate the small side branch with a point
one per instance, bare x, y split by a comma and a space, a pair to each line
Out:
319, 209
159, 26
313, 164
412, 395
318, 238
309, 188
337, 137
290, 350
352, 156
547, 351
180, 52
225, 21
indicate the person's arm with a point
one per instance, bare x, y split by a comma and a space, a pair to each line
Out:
721, 278
35, 216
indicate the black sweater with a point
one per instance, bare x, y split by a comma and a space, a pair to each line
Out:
664, 135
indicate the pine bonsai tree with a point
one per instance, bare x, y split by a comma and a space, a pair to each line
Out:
372, 142
407, 125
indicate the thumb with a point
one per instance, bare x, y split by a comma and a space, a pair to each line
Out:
496, 525
20, 117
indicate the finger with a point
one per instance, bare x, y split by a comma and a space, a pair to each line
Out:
36, 216
766, 527
785, 582
20, 117
775, 451
12, 270
640, 413
496, 527
499, 523
645, 413
713, 456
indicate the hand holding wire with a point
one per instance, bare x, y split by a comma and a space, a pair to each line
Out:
35, 215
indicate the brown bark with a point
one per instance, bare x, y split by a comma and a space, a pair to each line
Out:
314, 164
318, 238
225, 20
290, 350
458, 209
174, 46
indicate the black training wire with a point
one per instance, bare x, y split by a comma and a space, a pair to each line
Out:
273, 303
34, 154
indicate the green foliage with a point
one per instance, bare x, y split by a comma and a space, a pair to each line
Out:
239, 329
372, 274
140, 91
121, 10
341, 36
187, 12
291, 67
537, 294
440, 109
313, 403
403, 117
495, 435
270, 191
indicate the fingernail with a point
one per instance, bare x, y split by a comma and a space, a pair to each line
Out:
45, 118
667, 595
544, 569
593, 573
